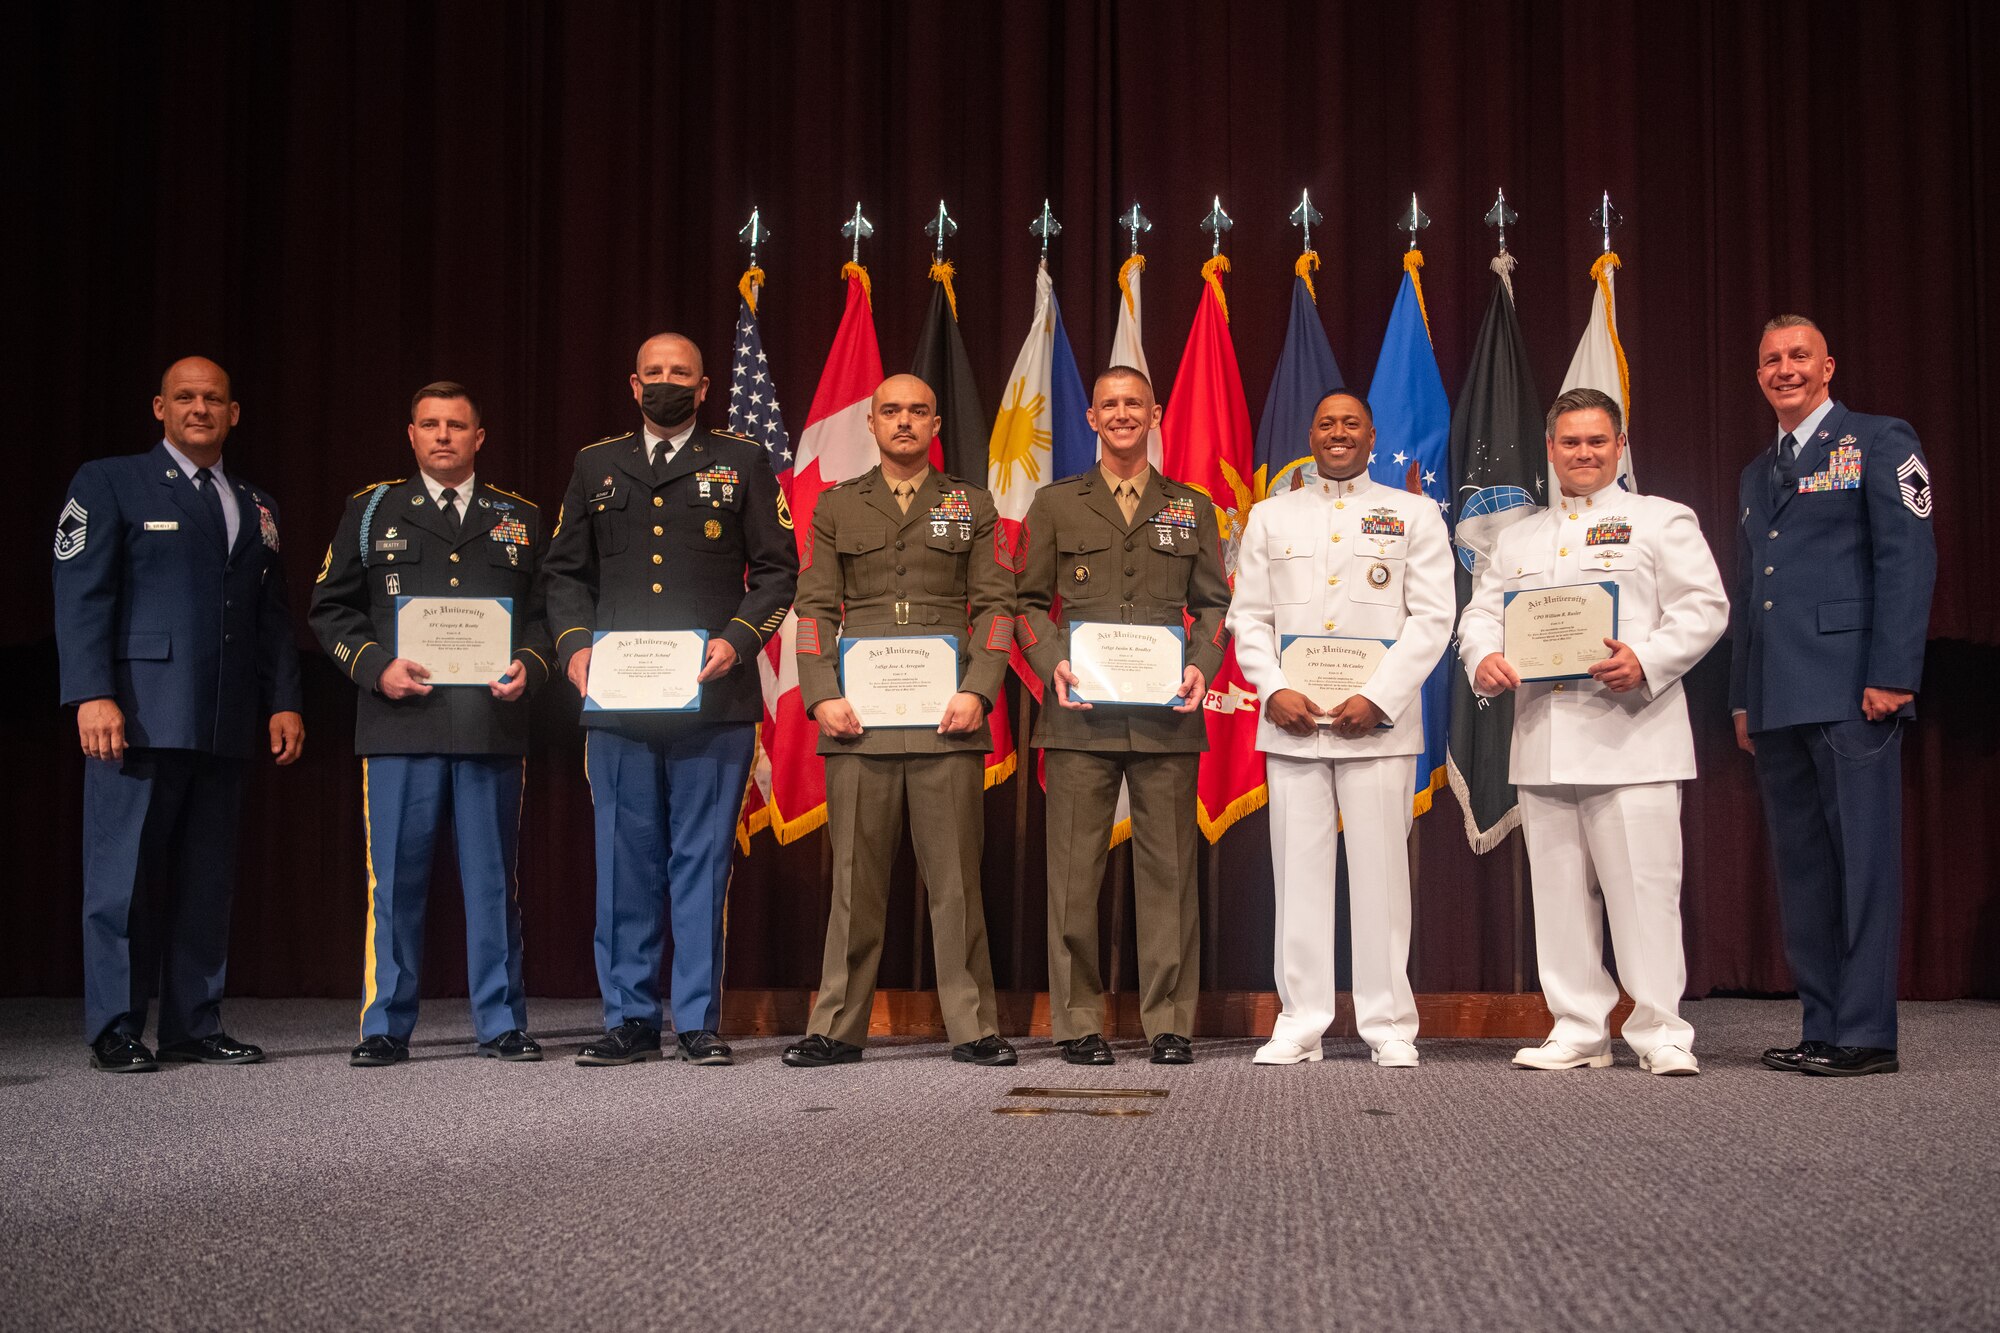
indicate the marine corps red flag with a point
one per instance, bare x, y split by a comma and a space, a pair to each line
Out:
834, 446
1206, 443
960, 447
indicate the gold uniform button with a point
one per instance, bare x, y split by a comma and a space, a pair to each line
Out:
1329, 624
657, 502
1564, 550
1331, 582
1340, 504
454, 557
1767, 606
1770, 569
1559, 689
656, 587
659, 531
1336, 536
1288, 550
1572, 518
454, 583
657, 559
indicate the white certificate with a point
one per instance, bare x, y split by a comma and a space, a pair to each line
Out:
1556, 633
650, 671
1127, 664
459, 640
899, 682
1329, 669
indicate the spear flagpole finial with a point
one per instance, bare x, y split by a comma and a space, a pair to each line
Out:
1046, 227
1605, 217
1303, 218
1413, 220
938, 228
1135, 222
1500, 217
1215, 224
754, 233
859, 228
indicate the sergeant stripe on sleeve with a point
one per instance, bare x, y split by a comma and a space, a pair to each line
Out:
1024, 633
1001, 637
808, 636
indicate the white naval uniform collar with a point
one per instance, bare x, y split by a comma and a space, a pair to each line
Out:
1577, 504
1341, 493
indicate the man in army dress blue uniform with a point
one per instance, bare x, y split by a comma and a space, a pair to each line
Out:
1833, 597
669, 528
436, 751
176, 649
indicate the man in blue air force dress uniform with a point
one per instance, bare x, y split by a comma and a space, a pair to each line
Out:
1599, 761
432, 752
1833, 597
669, 528
176, 649
1344, 557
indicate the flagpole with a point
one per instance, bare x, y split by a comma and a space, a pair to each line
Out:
1215, 224
1413, 220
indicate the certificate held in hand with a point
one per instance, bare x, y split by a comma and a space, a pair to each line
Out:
650, 671
1556, 633
1329, 669
899, 681
1127, 664
459, 640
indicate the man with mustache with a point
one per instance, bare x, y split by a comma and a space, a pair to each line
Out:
1343, 558
1124, 545
1833, 598
176, 648
904, 551
431, 751
669, 527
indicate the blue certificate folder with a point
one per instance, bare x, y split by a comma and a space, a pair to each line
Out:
506, 605
1606, 584
1172, 699
949, 641
591, 705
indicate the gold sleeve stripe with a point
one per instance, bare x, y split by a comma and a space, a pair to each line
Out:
760, 633
537, 656
573, 629
357, 656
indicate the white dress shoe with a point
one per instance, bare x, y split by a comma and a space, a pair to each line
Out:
1284, 1051
1555, 1055
1669, 1060
1395, 1054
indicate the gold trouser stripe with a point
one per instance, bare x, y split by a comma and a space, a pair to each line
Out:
368, 940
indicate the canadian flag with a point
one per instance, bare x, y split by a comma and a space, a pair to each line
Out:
834, 446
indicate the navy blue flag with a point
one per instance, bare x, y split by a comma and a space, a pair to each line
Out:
1306, 373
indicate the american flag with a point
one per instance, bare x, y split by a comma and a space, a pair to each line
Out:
753, 397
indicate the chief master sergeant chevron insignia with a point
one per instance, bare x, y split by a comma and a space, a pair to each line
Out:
72, 530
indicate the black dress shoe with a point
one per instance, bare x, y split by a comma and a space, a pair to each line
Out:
117, 1053
1090, 1050
629, 1043
220, 1049
1846, 1061
991, 1050
1786, 1059
1171, 1048
515, 1047
378, 1050
702, 1047
817, 1052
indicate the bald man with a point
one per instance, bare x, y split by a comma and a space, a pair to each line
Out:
668, 527
903, 560
177, 654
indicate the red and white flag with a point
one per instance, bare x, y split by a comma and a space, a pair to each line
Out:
834, 446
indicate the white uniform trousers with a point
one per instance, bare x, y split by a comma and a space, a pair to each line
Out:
1630, 837
1369, 800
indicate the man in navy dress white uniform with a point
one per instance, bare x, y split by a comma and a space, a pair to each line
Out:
177, 653
1833, 597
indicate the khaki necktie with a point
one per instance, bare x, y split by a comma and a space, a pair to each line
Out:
905, 492
1128, 499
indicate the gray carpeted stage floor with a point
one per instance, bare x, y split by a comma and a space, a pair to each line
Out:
457, 1192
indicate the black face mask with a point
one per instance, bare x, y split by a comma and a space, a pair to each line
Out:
666, 403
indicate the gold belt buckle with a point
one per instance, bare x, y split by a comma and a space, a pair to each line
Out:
902, 613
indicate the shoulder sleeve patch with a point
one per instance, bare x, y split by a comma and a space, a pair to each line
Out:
1913, 483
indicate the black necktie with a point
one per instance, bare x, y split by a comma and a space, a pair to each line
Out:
448, 501
663, 453
204, 485
1788, 461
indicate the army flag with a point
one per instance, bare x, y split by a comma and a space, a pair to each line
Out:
1306, 373
1497, 455
960, 446
1206, 443
834, 446
1412, 438
753, 411
1599, 362
1127, 347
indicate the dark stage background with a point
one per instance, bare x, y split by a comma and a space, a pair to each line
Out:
341, 202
